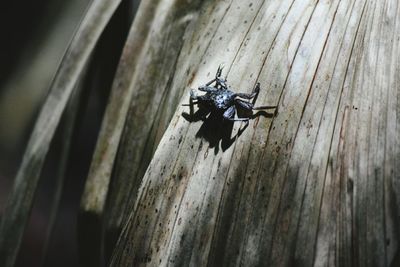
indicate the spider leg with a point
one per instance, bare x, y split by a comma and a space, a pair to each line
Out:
256, 91
193, 96
220, 83
210, 82
188, 105
250, 106
244, 104
264, 107
200, 114
219, 71
253, 95
229, 114
197, 98
246, 96
207, 89
217, 75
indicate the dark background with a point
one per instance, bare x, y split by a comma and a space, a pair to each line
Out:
34, 38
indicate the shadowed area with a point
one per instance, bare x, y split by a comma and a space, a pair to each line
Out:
215, 129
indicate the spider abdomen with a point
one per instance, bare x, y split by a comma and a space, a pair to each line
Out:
222, 99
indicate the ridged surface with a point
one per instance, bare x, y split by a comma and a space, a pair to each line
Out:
317, 184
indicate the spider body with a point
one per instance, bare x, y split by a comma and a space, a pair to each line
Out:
221, 99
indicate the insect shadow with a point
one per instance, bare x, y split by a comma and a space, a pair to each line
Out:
216, 130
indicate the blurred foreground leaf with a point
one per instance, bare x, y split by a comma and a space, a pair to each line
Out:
21, 198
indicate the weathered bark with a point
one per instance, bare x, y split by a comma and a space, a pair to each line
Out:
140, 93
317, 184
158, 85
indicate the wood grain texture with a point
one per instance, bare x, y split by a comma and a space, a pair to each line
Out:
152, 105
318, 183
93, 198
138, 107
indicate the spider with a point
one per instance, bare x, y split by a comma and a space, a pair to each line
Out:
219, 98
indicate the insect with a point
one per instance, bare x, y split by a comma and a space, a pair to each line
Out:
220, 98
